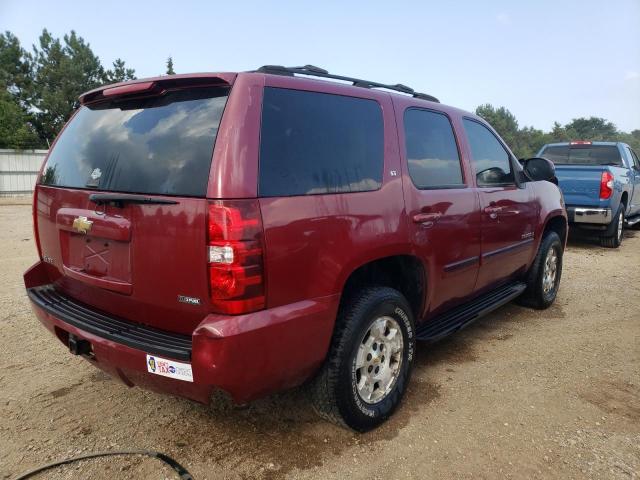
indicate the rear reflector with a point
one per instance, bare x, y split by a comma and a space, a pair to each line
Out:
606, 185
235, 255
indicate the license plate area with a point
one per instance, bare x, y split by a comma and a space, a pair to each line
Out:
96, 248
99, 257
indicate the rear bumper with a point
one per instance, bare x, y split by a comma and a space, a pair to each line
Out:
589, 215
247, 356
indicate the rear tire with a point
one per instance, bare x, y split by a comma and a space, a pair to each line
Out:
369, 362
543, 279
615, 239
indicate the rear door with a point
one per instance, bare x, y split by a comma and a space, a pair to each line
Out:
442, 206
121, 207
509, 212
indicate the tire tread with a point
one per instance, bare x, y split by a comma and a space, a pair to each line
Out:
323, 387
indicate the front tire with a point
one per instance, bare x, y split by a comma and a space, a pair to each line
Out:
369, 362
543, 279
615, 239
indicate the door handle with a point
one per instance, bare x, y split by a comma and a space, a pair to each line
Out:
426, 219
492, 211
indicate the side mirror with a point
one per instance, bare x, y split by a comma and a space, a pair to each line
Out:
537, 169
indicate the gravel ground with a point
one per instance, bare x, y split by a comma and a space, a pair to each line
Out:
520, 394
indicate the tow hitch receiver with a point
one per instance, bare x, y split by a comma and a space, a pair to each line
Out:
79, 346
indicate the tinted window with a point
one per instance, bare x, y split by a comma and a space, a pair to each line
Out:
490, 159
160, 145
319, 143
583, 154
432, 153
556, 154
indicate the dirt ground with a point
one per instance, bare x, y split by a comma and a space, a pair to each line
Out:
520, 394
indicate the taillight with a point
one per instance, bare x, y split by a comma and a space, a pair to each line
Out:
606, 185
235, 255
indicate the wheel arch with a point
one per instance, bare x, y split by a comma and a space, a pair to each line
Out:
557, 223
624, 200
403, 272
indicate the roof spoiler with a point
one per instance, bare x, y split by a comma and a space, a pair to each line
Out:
155, 86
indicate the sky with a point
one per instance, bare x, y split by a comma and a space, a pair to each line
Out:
544, 60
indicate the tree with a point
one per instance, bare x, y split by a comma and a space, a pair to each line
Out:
502, 120
522, 142
530, 141
61, 73
119, 73
592, 128
170, 70
15, 128
15, 68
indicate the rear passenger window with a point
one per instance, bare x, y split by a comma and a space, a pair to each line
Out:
432, 153
313, 143
490, 159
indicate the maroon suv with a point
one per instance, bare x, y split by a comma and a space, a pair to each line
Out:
249, 232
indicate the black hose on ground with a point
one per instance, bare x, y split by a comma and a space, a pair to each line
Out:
179, 469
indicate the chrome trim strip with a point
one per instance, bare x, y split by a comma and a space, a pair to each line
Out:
508, 248
467, 262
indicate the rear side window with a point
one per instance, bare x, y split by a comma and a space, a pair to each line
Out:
432, 153
490, 159
158, 145
583, 155
313, 143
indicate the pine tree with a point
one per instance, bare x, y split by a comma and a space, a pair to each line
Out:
120, 73
170, 70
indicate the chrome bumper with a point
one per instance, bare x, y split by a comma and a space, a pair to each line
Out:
601, 216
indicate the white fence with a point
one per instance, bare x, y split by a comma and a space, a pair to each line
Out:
18, 171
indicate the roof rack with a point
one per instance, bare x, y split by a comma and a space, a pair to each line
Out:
314, 71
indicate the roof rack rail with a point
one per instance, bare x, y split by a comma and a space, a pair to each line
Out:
312, 70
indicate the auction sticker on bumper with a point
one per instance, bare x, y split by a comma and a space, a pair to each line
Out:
169, 368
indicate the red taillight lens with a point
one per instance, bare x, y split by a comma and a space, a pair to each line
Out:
235, 254
606, 185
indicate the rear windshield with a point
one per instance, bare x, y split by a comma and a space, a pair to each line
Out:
583, 155
158, 145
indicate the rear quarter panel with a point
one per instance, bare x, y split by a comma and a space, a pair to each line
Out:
314, 242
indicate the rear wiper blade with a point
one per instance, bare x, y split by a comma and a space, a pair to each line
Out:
119, 200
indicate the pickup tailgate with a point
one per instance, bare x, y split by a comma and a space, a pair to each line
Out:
580, 184
139, 253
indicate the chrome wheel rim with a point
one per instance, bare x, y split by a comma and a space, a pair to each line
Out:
620, 226
379, 360
550, 271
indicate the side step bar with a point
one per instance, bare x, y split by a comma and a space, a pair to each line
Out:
459, 317
630, 222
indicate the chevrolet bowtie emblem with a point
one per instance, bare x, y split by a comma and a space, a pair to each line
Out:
82, 224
